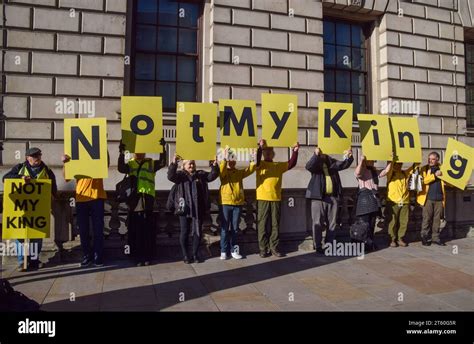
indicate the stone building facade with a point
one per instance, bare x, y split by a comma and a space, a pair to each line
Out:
413, 53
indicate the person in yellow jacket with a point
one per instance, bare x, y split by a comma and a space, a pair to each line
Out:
231, 199
269, 179
432, 198
397, 208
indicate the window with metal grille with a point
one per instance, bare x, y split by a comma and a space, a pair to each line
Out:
345, 64
165, 50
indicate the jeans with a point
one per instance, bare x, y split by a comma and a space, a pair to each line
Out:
230, 218
19, 247
94, 209
185, 224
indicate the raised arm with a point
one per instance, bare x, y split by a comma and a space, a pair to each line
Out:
386, 170
160, 163
360, 167
122, 166
65, 159
214, 173
294, 156
313, 162
223, 168
342, 165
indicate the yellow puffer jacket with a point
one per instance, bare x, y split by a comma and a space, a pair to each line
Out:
231, 191
428, 178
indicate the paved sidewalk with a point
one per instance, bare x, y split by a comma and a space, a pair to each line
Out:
415, 278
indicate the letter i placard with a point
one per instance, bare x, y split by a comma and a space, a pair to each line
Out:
375, 136
334, 127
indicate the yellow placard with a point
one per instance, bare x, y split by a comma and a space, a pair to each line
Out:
238, 123
142, 124
375, 136
26, 209
406, 139
458, 164
196, 130
85, 141
334, 127
280, 119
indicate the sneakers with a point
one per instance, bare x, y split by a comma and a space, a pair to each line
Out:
393, 243
186, 260
277, 254
21, 268
402, 243
263, 254
98, 263
235, 253
86, 261
425, 242
223, 256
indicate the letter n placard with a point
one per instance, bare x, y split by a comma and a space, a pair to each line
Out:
85, 141
26, 209
334, 127
406, 139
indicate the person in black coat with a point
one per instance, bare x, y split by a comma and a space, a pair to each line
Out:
193, 186
324, 190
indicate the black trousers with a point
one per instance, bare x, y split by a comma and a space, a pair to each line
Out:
141, 236
186, 228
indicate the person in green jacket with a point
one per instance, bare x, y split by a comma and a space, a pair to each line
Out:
231, 199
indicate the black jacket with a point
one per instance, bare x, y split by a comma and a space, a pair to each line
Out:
196, 191
317, 185
14, 174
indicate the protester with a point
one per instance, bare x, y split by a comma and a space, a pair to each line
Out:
368, 202
269, 179
89, 199
325, 190
433, 200
231, 199
192, 189
141, 231
32, 168
397, 207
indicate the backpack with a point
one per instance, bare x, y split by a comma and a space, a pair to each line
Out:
126, 189
359, 231
176, 203
14, 301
